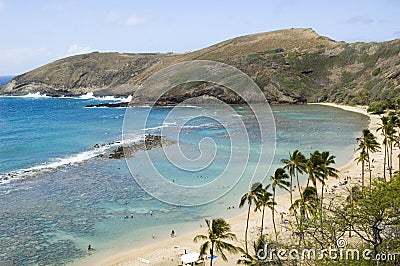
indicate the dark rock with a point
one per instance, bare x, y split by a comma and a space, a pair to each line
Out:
150, 142
307, 71
121, 104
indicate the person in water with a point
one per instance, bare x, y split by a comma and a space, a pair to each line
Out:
90, 248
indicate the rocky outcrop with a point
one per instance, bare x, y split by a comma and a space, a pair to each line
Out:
290, 66
127, 151
100, 105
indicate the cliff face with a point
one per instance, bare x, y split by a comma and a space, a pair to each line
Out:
290, 66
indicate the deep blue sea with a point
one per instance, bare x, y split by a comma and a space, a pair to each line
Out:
57, 195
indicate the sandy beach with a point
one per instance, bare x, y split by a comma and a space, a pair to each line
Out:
167, 252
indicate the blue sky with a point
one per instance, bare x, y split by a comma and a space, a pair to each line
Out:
37, 32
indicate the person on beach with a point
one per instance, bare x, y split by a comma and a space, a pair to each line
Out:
172, 233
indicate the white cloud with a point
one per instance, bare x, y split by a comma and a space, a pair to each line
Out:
131, 21
76, 49
134, 21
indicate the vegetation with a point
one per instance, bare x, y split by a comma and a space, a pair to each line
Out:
250, 198
279, 179
367, 145
265, 200
376, 71
378, 107
252, 259
295, 164
295, 65
219, 231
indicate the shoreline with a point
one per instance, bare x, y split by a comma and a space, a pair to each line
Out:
168, 251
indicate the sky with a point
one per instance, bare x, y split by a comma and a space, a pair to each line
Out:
36, 32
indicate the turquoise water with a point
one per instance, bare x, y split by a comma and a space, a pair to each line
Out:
63, 197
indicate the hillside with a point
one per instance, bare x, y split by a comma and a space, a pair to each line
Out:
290, 66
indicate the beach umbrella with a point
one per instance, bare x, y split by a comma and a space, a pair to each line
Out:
190, 257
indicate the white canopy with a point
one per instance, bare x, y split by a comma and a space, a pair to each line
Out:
190, 257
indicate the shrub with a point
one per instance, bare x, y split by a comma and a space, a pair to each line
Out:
376, 71
378, 107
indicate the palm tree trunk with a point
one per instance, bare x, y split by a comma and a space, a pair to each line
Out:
262, 221
391, 160
301, 196
384, 168
370, 173
369, 167
322, 197
362, 174
273, 217
301, 225
398, 156
388, 158
247, 227
211, 253
298, 183
291, 190
351, 204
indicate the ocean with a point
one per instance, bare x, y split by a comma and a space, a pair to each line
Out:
58, 193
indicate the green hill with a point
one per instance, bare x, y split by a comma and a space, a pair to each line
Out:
290, 66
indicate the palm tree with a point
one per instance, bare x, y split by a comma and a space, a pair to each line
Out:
295, 164
397, 137
250, 197
398, 156
362, 159
306, 206
218, 232
371, 145
397, 143
384, 128
250, 259
264, 200
278, 180
394, 122
355, 194
327, 171
313, 166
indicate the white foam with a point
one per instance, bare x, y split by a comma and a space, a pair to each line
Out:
166, 124
67, 161
188, 106
174, 124
87, 96
35, 95
91, 96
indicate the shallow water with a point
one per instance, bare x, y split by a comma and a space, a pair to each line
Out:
52, 215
